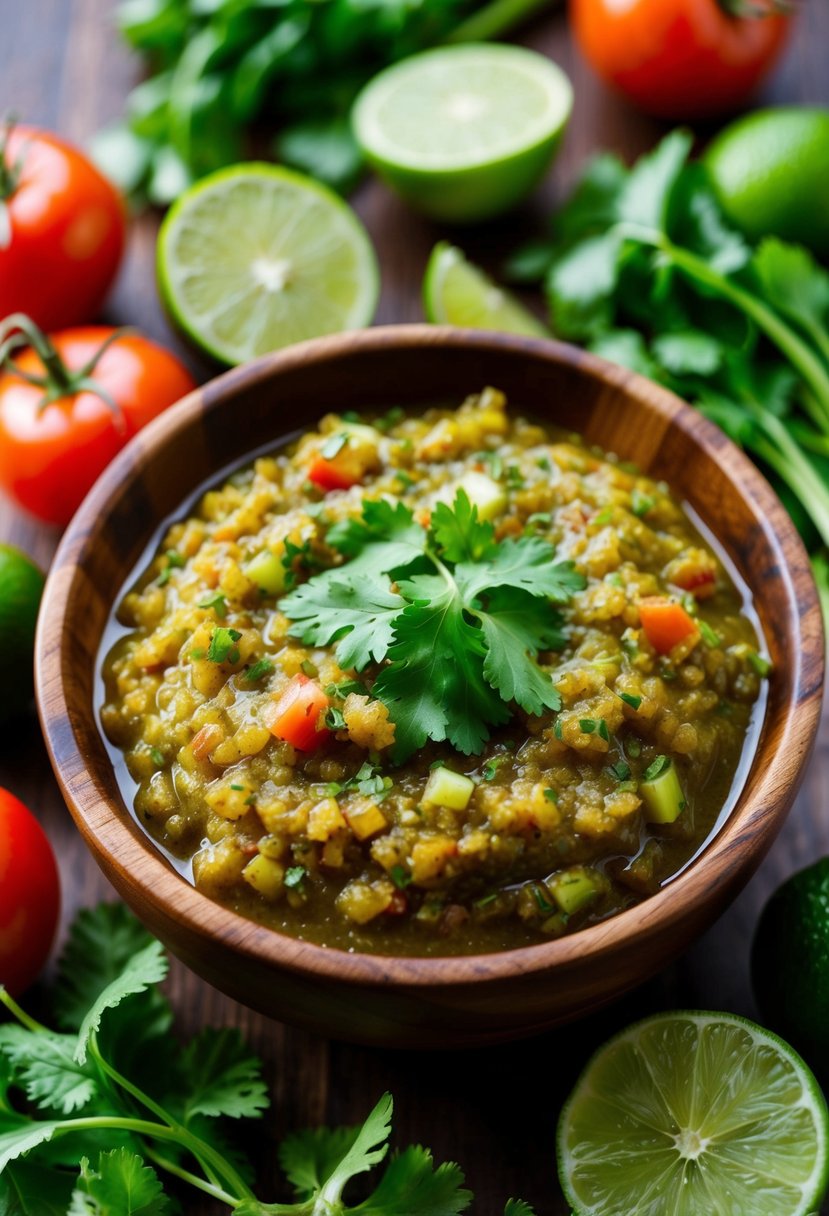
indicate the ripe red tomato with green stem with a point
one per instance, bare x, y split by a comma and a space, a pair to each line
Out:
29, 895
62, 229
69, 403
682, 59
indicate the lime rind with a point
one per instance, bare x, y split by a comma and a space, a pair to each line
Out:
698, 1144
256, 257
461, 86
457, 293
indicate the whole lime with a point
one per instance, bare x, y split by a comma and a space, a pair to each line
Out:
790, 963
770, 171
21, 587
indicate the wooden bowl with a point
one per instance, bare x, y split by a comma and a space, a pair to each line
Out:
424, 1001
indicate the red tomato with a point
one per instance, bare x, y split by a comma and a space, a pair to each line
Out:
296, 715
665, 623
681, 58
333, 474
51, 454
62, 228
29, 895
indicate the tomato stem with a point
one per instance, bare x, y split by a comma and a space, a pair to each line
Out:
9, 179
58, 381
754, 9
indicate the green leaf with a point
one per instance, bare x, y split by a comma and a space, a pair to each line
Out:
121, 1185
349, 607
149, 966
101, 943
222, 1077
701, 226
690, 351
412, 1186
44, 1066
515, 626
644, 200
20, 1136
581, 283
324, 148
594, 204
517, 1207
459, 533
368, 1149
309, 1158
526, 565
628, 348
794, 283
29, 1188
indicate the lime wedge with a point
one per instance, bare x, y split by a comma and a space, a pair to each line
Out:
457, 293
464, 132
694, 1114
257, 257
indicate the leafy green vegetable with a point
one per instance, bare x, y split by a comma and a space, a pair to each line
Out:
108, 1131
220, 67
461, 632
222, 646
643, 267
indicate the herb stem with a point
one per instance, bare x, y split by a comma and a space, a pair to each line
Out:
215, 1166
21, 1015
798, 352
178, 1171
496, 19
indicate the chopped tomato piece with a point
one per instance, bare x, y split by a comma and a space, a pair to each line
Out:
334, 474
665, 623
295, 717
398, 905
700, 582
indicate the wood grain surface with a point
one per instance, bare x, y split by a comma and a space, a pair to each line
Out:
494, 1111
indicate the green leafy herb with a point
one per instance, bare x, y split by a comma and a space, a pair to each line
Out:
294, 876
401, 877
345, 688
641, 503
88, 1117
551, 795
334, 719
656, 768
620, 771
258, 671
218, 603
460, 632
629, 699
157, 757
643, 267
709, 635
174, 562
222, 648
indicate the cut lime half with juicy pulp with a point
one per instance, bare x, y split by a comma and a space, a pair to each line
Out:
256, 257
457, 293
694, 1114
464, 132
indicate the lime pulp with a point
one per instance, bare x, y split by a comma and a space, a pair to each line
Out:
256, 257
457, 293
694, 1114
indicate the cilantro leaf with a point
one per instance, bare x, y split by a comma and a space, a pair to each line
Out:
29, 1189
627, 347
309, 1158
517, 1207
222, 1077
147, 967
386, 539
459, 533
515, 625
44, 1066
347, 605
690, 351
794, 283
581, 284
644, 199
524, 565
20, 1136
411, 1184
121, 1185
368, 1149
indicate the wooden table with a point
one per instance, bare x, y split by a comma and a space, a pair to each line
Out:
61, 65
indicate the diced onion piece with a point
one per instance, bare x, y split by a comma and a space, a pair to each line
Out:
450, 789
662, 794
265, 875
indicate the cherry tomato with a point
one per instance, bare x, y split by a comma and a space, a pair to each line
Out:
681, 58
296, 715
29, 895
50, 454
62, 228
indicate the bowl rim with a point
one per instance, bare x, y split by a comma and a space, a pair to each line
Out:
167, 892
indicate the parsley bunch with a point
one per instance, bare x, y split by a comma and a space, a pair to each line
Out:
455, 617
88, 1115
217, 67
645, 270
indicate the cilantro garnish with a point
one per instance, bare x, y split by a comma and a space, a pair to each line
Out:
294, 876
620, 771
709, 635
552, 796
157, 757
92, 1113
656, 768
345, 688
459, 633
641, 503
174, 562
401, 877
217, 602
222, 646
629, 699
334, 718
260, 669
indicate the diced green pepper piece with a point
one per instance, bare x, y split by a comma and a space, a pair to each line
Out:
661, 792
487, 495
575, 888
267, 571
447, 788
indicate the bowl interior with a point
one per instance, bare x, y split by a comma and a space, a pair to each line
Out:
412, 366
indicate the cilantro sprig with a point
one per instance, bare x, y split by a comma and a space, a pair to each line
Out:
456, 618
91, 1114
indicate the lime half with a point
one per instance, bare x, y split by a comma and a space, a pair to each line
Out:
457, 293
257, 257
464, 132
694, 1114
21, 586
